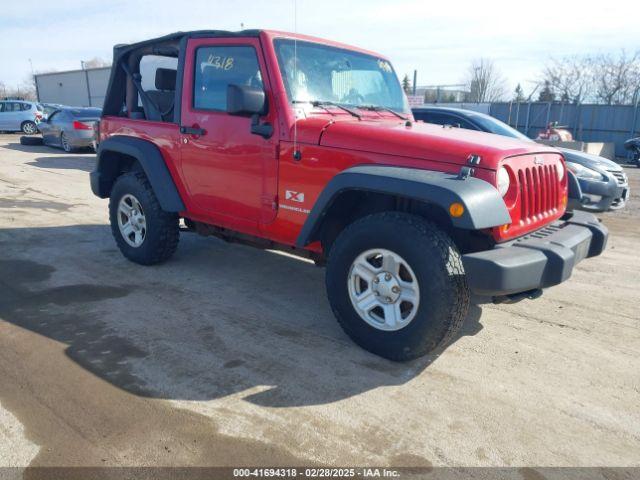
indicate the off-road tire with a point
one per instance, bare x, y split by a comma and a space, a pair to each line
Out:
437, 263
31, 141
29, 128
162, 234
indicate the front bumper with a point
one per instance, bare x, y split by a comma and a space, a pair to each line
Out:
541, 259
600, 196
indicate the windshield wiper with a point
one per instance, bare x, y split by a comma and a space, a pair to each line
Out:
327, 103
378, 108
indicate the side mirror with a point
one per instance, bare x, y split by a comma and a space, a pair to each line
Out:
244, 100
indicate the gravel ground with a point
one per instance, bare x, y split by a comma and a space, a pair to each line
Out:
227, 355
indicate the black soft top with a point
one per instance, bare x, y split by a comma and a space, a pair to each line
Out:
176, 37
168, 45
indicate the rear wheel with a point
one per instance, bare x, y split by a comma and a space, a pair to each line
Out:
145, 233
29, 127
66, 146
397, 286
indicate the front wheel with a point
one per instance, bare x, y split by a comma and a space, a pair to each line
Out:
397, 285
29, 127
145, 233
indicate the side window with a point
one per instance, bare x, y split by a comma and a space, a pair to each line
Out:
149, 64
25, 106
462, 123
2, 107
218, 67
12, 107
435, 117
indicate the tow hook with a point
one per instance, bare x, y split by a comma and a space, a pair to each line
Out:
517, 297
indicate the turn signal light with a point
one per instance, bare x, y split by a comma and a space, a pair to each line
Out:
564, 200
456, 209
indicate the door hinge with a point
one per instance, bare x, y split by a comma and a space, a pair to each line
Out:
270, 201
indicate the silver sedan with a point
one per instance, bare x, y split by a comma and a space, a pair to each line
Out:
70, 128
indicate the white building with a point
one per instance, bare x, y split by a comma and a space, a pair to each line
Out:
77, 88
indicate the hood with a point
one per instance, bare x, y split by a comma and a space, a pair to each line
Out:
418, 141
588, 160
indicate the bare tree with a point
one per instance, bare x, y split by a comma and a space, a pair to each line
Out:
617, 78
485, 82
606, 78
26, 89
96, 62
570, 79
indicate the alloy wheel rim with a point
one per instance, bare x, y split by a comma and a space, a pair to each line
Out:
383, 289
132, 221
29, 128
65, 143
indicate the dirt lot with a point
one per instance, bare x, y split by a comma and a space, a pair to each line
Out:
228, 355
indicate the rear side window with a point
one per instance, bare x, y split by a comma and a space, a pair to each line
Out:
218, 67
2, 107
11, 107
26, 106
149, 64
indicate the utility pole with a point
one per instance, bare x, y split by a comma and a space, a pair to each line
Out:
415, 81
86, 77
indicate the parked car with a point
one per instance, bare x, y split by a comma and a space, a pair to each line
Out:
20, 116
290, 142
49, 108
70, 128
633, 145
603, 183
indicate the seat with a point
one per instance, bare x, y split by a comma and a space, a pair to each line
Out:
164, 96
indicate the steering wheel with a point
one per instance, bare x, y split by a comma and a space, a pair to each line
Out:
353, 98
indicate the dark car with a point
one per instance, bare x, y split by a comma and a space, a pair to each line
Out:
70, 128
633, 145
603, 183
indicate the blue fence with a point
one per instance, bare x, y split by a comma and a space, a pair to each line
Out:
587, 122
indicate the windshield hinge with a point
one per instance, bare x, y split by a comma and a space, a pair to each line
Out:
465, 172
474, 159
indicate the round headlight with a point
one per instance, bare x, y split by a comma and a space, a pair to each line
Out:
503, 181
560, 171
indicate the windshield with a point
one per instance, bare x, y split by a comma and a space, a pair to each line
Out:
316, 73
499, 128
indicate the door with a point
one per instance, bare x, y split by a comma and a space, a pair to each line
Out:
51, 129
230, 173
12, 116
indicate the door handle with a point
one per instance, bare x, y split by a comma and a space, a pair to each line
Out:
193, 130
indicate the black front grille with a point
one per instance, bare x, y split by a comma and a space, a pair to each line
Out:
621, 177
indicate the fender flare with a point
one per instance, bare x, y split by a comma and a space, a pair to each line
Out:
151, 161
484, 207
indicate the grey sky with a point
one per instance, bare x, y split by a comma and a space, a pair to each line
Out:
437, 38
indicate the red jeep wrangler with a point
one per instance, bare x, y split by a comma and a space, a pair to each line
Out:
306, 145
